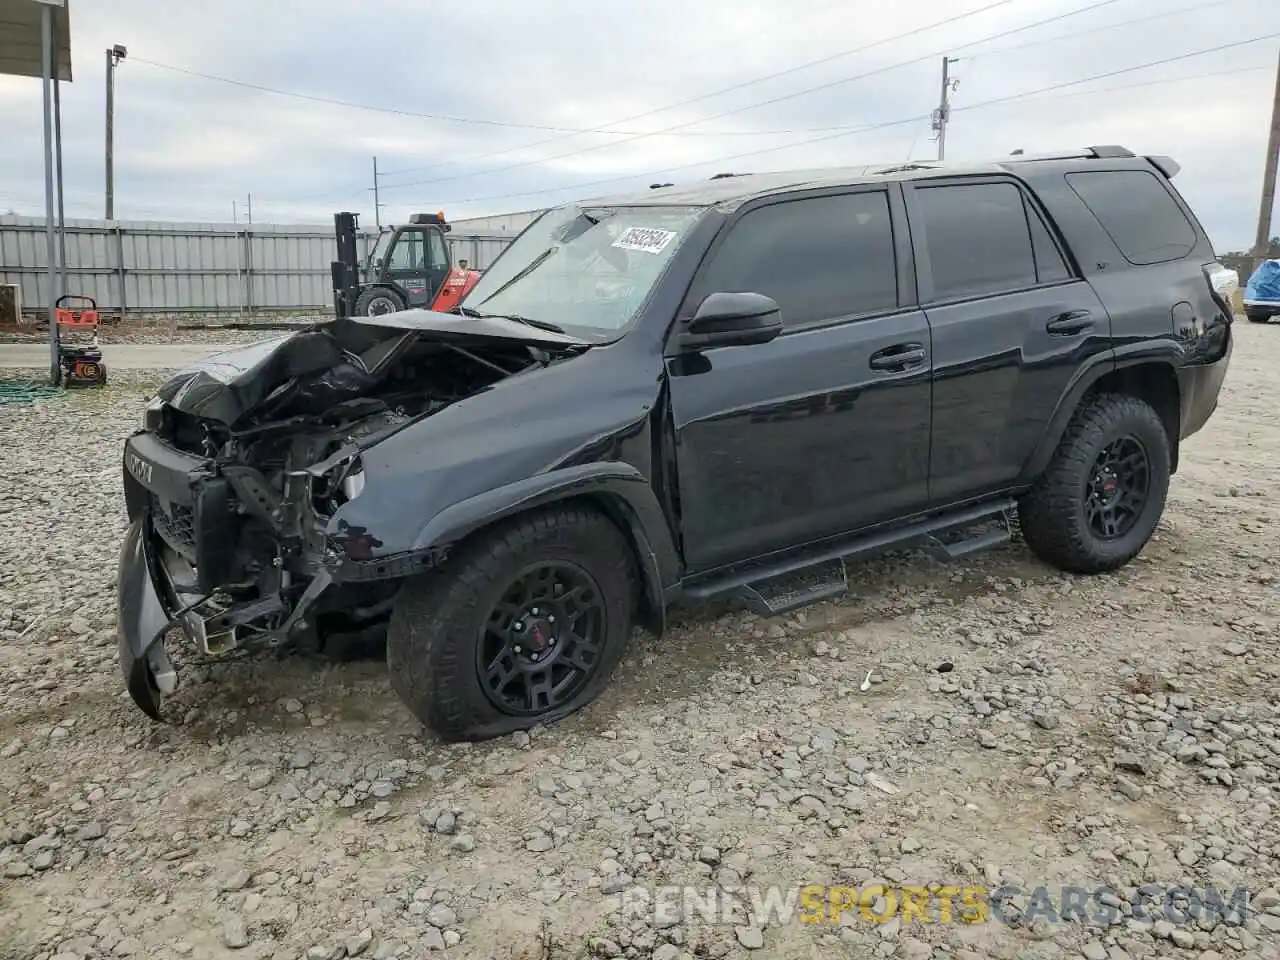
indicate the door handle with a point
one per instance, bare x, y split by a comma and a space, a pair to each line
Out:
898, 357
1074, 321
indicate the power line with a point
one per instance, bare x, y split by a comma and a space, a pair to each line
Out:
1084, 33
564, 131
763, 103
87, 199
635, 135
1134, 86
603, 128
865, 129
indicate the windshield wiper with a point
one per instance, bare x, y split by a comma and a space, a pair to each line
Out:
516, 318
528, 269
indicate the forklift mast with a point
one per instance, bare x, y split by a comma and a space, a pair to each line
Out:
345, 270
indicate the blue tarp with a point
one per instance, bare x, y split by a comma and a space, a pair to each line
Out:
1265, 282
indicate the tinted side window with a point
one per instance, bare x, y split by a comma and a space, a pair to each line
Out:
1137, 212
1049, 263
977, 238
820, 258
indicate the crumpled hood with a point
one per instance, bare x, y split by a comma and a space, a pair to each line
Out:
227, 385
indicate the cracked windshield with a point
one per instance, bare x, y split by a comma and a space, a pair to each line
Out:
584, 269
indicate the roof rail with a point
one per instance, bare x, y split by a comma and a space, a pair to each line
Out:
903, 168
1088, 153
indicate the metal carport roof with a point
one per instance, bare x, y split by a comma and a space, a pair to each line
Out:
35, 41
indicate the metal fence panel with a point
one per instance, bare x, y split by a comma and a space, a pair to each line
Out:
147, 267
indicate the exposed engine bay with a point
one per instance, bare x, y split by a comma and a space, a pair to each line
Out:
269, 448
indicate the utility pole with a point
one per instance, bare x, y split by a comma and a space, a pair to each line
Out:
1262, 240
248, 205
943, 113
377, 207
114, 55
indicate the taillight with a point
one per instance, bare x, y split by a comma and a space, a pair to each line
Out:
1223, 282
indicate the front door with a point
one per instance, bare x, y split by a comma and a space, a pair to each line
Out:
825, 429
1012, 324
418, 264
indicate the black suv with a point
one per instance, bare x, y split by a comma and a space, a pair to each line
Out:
726, 389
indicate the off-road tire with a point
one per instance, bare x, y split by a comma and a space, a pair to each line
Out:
1051, 515
437, 618
374, 293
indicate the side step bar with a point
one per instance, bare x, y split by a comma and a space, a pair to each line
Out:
789, 595
757, 587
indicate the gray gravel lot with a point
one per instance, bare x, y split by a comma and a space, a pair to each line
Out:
1117, 731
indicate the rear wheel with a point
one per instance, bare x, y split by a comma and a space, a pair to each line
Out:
377, 301
522, 627
1097, 503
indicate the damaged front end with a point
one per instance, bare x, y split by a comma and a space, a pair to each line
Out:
240, 464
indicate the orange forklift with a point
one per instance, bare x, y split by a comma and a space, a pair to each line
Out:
409, 266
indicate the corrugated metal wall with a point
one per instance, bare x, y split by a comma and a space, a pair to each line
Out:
510, 223
155, 267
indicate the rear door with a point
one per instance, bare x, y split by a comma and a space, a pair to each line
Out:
1012, 323
825, 428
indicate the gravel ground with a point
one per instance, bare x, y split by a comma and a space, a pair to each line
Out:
1021, 728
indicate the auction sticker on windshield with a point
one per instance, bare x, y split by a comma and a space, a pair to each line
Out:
644, 239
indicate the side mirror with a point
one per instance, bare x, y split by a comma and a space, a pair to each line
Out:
732, 320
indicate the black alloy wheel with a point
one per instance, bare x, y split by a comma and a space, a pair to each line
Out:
521, 626
1098, 500
1118, 488
541, 643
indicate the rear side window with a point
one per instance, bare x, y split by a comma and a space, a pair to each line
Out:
1137, 212
819, 258
1049, 263
977, 238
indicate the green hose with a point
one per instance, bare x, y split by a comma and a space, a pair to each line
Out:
27, 391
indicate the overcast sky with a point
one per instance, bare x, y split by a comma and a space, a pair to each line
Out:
188, 146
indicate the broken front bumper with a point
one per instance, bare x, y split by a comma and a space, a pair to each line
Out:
183, 548
150, 587
142, 622
175, 555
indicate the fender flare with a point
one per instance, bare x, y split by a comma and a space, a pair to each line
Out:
618, 488
1164, 352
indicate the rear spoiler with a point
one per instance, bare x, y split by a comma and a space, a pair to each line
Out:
1166, 165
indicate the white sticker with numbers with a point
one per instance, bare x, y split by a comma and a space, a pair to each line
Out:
644, 239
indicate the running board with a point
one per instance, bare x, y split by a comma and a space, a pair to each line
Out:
790, 592
949, 551
755, 586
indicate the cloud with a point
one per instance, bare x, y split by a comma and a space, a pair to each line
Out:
187, 147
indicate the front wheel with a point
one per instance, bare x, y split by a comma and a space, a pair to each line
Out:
1098, 502
378, 301
522, 627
